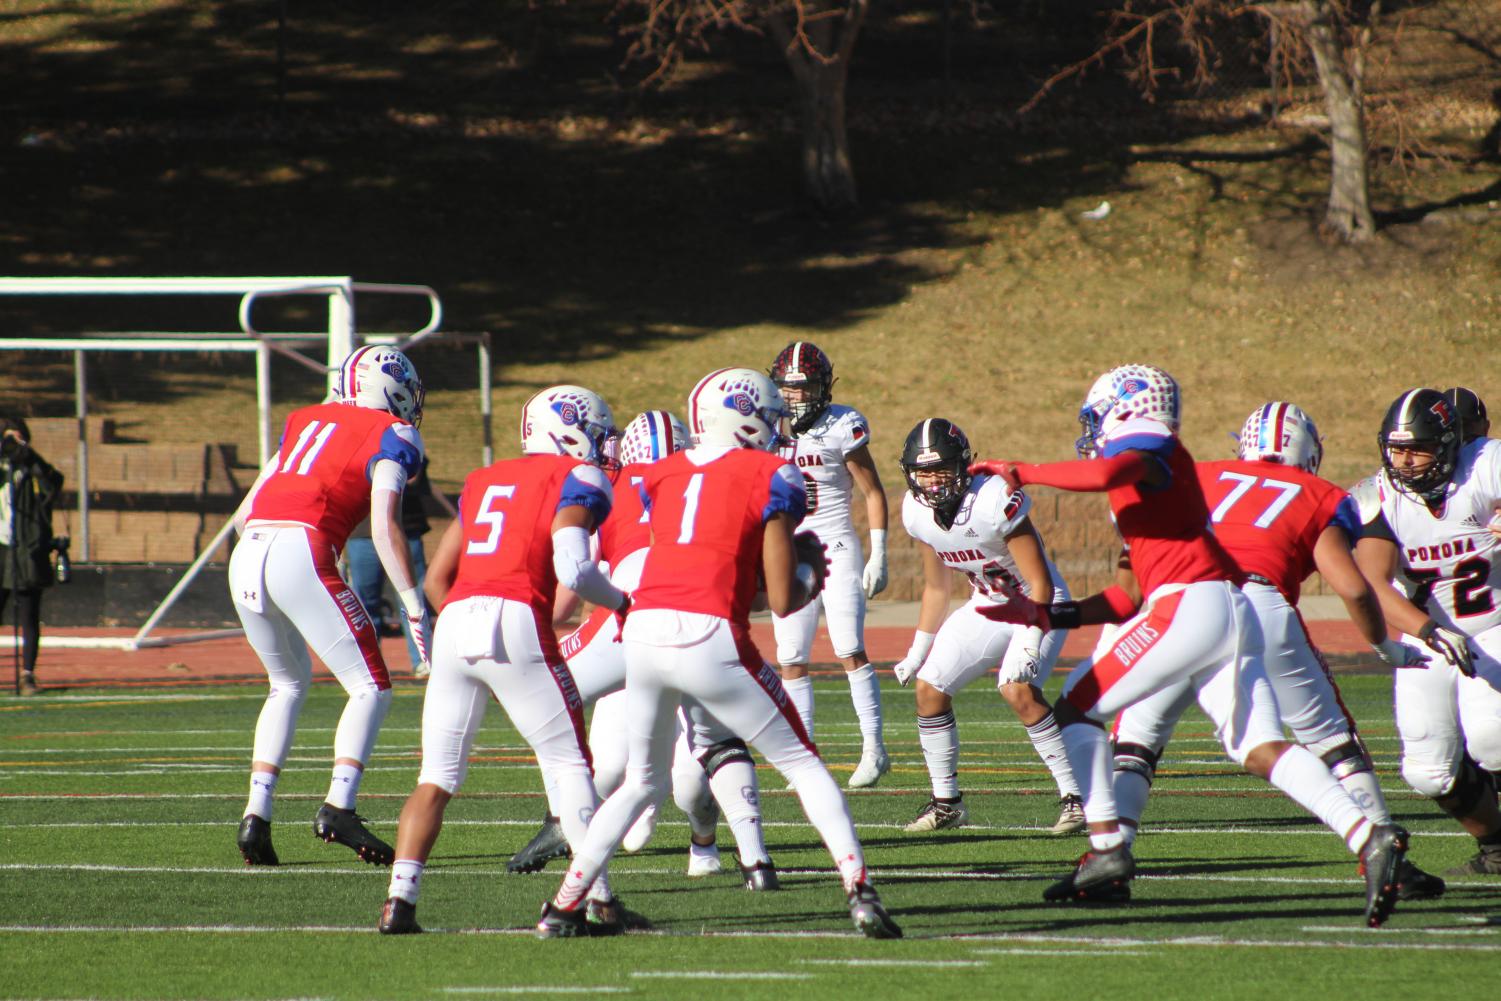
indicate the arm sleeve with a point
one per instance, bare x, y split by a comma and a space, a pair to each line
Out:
1087, 475
577, 571
587, 487
787, 494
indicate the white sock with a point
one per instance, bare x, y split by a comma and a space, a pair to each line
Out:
262, 788
406, 880
939, 737
344, 787
1094, 768
600, 891
1366, 792
1047, 739
865, 693
1131, 791
851, 871
800, 691
1307, 780
1105, 842
738, 794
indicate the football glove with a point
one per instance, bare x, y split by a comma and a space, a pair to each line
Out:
421, 627
873, 580
906, 669
1450, 644
1397, 654
995, 467
1023, 657
1019, 610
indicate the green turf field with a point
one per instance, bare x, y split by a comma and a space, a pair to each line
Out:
118, 814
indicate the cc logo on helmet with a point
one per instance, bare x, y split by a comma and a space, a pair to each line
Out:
567, 411
742, 403
1132, 386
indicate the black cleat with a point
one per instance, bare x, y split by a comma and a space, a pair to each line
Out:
546, 845
1487, 862
1099, 878
761, 876
610, 917
254, 841
1415, 884
556, 923
344, 826
869, 915
1382, 859
398, 917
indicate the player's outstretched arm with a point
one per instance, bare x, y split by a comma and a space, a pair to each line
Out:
1377, 560
1335, 560
931, 612
1080, 475
387, 482
573, 561
863, 471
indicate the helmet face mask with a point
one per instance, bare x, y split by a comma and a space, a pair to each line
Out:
935, 461
1281, 433
1123, 394
802, 369
1420, 422
737, 408
569, 420
653, 435
380, 377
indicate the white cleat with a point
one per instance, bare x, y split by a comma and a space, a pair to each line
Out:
703, 860
1071, 819
874, 763
641, 831
938, 815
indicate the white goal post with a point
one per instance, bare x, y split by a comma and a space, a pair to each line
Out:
339, 338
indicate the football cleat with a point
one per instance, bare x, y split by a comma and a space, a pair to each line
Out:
347, 828
869, 915
1415, 884
874, 763
1382, 859
1071, 819
254, 841
641, 831
398, 917
610, 917
558, 923
1487, 862
938, 815
1099, 877
761, 876
703, 860
547, 844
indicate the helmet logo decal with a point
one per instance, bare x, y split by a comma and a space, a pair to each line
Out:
1441, 410
567, 411
1132, 386
741, 402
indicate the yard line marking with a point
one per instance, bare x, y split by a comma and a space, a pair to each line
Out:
1410, 931
1107, 954
1220, 941
536, 990
717, 975
924, 963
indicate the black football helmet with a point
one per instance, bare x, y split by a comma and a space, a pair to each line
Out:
1471, 409
801, 365
1422, 419
937, 444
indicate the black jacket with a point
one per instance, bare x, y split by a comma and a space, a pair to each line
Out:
34, 486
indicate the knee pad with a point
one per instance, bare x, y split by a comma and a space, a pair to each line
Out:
1346, 758
1472, 785
716, 756
1138, 759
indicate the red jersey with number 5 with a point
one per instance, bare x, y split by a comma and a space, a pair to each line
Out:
322, 476
707, 522
1269, 517
506, 511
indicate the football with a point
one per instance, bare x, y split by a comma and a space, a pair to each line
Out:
811, 550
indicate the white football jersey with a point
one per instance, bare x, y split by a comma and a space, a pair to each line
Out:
819, 453
1447, 559
975, 544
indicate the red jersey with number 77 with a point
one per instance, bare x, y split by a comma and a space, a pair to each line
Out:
322, 476
1269, 517
708, 518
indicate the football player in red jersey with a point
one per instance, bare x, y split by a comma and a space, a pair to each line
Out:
1279, 521
1197, 631
338, 463
523, 528
719, 513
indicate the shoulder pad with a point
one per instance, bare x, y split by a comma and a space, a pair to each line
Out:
1367, 497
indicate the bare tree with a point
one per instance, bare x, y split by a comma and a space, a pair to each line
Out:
1334, 35
817, 38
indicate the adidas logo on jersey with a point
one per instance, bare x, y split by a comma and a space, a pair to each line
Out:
970, 533
1471, 521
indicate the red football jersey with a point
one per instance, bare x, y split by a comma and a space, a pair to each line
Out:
507, 510
322, 477
628, 528
707, 523
1269, 517
1167, 530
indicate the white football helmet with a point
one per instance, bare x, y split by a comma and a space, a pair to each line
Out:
1281, 432
382, 378
737, 408
568, 420
651, 436
1123, 394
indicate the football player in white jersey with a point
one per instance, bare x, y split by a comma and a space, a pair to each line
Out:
979, 527
1426, 523
831, 448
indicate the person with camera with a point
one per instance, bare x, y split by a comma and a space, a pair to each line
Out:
28, 488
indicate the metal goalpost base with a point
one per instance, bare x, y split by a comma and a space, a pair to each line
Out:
341, 338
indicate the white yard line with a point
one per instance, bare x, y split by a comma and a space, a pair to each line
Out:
717, 975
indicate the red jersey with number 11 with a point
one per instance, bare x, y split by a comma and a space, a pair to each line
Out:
707, 523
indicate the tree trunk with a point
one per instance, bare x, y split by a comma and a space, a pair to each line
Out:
1349, 211
818, 53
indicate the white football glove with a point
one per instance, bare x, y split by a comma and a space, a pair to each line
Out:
1397, 654
420, 622
1023, 657
1450, 644
874, 577
906, 668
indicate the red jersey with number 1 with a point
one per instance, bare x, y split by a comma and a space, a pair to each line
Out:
1269, 517
328, 452
506, 510
707, 523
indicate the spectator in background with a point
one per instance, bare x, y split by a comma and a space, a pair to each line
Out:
366, 575
28, 487
1473, 422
